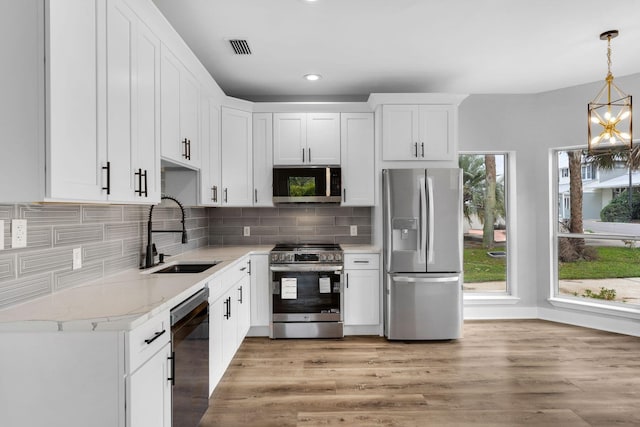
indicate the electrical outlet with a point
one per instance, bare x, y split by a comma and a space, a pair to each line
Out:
354, 230
1, 234
77, 258
247, 231
19, 233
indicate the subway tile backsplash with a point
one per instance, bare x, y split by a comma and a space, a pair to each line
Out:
290, 224
111, 237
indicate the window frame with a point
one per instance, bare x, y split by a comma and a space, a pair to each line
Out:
554, 297
510, 295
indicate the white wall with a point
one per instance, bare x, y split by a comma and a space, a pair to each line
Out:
531, 125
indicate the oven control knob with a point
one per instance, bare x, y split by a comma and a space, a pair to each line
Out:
329, 257
338, 257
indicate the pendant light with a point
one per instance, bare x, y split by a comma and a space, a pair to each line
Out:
610, 128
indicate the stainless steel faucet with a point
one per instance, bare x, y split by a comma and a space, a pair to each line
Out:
148, 259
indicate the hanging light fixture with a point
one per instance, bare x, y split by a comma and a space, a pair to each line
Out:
610, 128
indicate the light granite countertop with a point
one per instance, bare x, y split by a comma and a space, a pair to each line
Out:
121, 301
125, 300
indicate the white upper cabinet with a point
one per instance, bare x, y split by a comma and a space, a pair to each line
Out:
358, 169
180, 98
418, 132
210, 174
73, 57
306, 139
263, 159
237, 165
133, 106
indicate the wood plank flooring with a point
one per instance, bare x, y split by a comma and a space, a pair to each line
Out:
502, 373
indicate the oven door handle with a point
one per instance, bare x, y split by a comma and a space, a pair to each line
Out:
279, 268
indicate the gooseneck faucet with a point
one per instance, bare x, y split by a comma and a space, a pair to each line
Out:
148, 259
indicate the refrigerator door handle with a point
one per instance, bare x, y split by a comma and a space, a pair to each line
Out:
387, 187
431, 220
407, 279
423, 221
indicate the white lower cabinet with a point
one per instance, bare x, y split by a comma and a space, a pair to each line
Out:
362, 289
260, 293
149, 392
229, 317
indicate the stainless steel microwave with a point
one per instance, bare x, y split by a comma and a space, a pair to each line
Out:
307, 185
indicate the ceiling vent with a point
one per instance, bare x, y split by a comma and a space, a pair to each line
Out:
240, 47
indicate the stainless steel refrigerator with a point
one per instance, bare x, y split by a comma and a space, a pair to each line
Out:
423, 253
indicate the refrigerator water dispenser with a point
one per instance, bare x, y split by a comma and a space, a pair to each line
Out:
405, 234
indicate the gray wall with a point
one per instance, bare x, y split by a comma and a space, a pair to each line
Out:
531, 125
289, 224
111, 237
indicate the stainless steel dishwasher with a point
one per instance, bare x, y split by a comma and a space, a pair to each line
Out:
190, 367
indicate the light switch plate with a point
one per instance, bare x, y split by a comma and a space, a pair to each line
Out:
246, 231
354, 230
77, 258
19, 233
1, 234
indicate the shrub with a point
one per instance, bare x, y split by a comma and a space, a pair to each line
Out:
618, 209
605, 294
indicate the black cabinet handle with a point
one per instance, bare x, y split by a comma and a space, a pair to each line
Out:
225, 195
146, 193
189, 150
415, 144
249, 263
229, 308
347, 280
240, 289
215, 193
344, 194
172, 378
422, 144
108, 169
184, 147
155, 336
309, 153
303, 155
255, 194
138, 174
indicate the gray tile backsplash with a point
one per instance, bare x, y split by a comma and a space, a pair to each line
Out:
289, 224
111, 237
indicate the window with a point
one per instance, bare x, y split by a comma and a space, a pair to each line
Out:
586, 171
564, 172
601, 262
486, 254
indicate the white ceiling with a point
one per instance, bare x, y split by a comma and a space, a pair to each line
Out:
366, 46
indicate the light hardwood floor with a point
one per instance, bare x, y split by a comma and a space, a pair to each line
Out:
506, 373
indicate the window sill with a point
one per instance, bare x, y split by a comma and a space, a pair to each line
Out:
594, 307
490, 299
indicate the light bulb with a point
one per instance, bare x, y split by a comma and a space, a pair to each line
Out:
625, 135
606, 135
596, 139
595, 120
612, 140
625, 115
607, 115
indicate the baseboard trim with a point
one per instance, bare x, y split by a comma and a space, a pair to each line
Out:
591, 320
499, 312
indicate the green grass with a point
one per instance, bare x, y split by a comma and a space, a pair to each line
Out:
611, 262
480, 267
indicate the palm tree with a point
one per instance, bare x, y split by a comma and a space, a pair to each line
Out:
483, 194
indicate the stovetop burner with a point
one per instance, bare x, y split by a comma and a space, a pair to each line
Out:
320, 253
307, 246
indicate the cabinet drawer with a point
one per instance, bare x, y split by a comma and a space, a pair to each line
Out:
145, 340
221, 282
361, 261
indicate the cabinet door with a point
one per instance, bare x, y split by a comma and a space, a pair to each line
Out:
323, 139
289, 138
436, 132
362, 297
149, 392
171, 146
190, 117
146, 151
210, 154
262, 159
243, 289
217, 319
237, 163
400, 132
121, 62
358, 172
230, 327
260, 291
76, 153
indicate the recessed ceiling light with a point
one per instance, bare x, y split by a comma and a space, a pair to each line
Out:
312, 77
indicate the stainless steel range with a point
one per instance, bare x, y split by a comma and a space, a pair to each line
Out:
306, 291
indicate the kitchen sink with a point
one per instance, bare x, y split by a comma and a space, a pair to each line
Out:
190, 267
